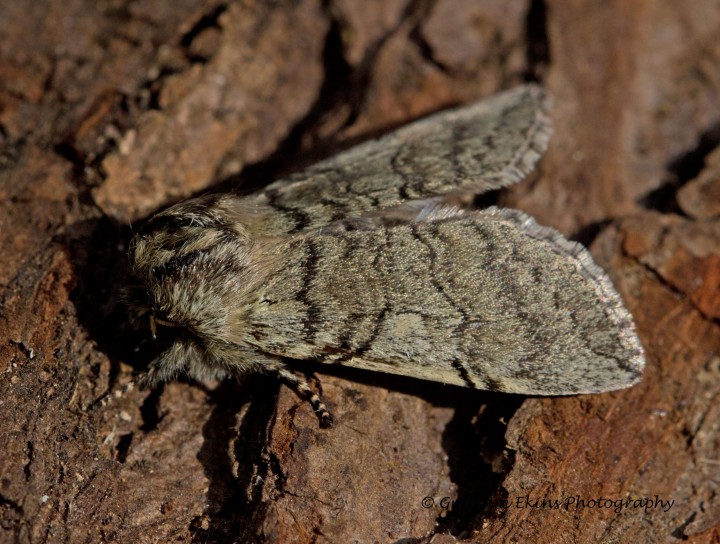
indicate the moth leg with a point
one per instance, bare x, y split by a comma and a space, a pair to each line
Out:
301, 387
114, 394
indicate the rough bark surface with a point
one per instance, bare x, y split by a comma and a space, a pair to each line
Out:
112, 110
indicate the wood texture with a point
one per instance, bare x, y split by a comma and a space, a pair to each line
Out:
109, 111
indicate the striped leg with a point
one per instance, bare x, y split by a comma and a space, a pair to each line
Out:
301, 387
113, 395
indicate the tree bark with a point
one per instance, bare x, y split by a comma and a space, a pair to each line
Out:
111, 111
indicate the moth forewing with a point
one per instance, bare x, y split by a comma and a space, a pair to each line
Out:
488, 300
473, 149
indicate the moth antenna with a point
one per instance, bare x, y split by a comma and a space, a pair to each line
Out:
155, 321
302, 389
153, 327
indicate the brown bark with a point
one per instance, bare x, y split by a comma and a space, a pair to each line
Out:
111, 110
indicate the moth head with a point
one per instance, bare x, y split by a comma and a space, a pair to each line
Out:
195, 264
185, 260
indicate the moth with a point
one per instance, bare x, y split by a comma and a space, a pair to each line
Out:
366, 260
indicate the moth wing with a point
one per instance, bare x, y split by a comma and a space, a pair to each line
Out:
489, 300
471, 149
